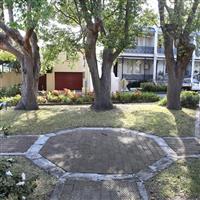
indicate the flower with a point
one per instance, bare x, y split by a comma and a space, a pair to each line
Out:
23, 176
21, 183
8, 173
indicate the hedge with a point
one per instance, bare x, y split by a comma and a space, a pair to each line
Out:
189, 99
152, 87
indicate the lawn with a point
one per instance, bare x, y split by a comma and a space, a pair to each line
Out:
179, 182
45, 183
149, 118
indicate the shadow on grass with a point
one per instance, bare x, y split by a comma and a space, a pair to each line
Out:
174, 123
57, 118
185, 124
181, 180
54, 118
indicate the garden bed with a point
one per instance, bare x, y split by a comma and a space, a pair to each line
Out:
35, 183
68, 97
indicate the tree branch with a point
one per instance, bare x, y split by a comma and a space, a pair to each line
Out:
12, 33
27, 37
66, 16
10, 12
6, 46
35, 53
161, 5
1, 11
85, 12
191, 16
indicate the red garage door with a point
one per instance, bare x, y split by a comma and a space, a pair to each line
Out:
69, 80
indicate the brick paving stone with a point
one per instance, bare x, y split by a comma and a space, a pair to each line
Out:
103, 152
184, 146
104, 190
16, 143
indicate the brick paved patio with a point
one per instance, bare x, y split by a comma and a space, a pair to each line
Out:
101, 152
13, 144
105, 190
184, 146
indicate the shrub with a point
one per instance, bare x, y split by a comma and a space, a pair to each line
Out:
10, 91
116, 96
75, 97
163, 102
65, 99
189, 99
136, 96
55, 92
133, 97
14, 185
41, 99
88, 98
149, 97
125, 97
53, 98
69, 93
80, 101
11, 101
151, 87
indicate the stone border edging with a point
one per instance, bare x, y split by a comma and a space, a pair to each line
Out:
143, 175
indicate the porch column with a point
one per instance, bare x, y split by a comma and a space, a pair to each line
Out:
155, 53
193, 61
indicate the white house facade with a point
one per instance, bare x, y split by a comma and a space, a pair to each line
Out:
146, 61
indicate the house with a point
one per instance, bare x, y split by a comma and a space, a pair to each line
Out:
73, 75
146, 61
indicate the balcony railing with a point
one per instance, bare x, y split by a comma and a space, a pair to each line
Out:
140, 50
161, 50
150, 50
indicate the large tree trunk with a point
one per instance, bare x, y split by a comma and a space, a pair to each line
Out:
102, 86
103, 92
174, 91
29, 87
176, 72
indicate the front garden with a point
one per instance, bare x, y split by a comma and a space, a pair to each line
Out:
11, 96
179, 182
20, 179
147, 117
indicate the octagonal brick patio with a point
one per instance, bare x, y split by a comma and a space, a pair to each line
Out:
103, 152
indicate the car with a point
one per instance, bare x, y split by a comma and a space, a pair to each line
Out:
195, 85
188, 85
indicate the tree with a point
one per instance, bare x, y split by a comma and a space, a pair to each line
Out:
107, 25
179, 20
18, 36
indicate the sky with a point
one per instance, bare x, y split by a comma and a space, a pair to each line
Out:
153, 4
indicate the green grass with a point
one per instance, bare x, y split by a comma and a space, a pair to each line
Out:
149, 118
45, 183
180, 181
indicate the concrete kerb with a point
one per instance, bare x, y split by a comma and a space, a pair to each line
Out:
33, 154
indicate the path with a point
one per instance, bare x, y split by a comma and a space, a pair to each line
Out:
100, 163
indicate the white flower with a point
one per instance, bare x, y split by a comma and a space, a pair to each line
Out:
20, 183
23, 197
23, 176
8, 173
